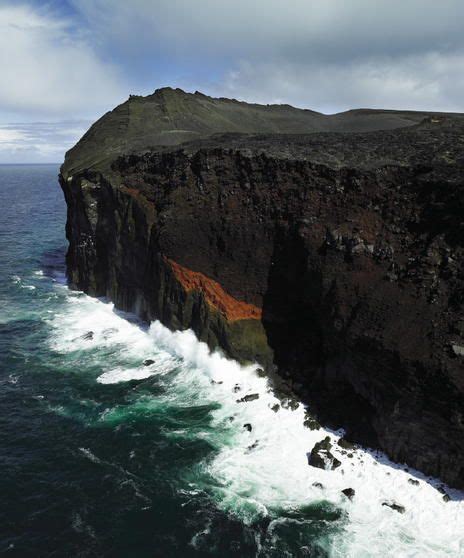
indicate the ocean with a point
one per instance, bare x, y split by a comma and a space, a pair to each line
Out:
123, 439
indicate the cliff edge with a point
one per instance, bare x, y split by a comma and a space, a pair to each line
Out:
329, 248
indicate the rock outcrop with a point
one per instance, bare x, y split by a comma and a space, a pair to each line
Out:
331, 254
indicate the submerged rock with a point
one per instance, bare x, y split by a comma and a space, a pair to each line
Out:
148, 362
88, 336
393, 506
253, 446
108, 332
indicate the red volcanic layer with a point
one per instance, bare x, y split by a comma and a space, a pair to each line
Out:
214, 294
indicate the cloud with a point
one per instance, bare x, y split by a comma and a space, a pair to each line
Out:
83, 57
323, 54
49, 67
432, 82
39, 142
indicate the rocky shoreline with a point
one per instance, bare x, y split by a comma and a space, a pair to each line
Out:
332, 259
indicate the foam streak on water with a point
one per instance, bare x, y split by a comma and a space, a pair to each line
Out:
263, 472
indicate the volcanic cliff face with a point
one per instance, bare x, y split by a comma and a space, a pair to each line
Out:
335, 258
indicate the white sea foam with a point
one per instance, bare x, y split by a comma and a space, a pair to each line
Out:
273, 474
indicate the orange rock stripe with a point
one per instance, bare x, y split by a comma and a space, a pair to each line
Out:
214, 294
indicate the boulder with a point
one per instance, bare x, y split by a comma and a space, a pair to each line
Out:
248, 398
321, 457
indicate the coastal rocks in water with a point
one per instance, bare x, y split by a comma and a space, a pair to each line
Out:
393, 506
148, 362
108, 332
446, 497
321, 457
413, 481
248, 398
310, 422
253, 446
349, 493
248, 427
318, 485
345, 444
290, 403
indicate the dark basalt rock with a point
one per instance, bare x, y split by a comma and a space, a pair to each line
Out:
337, 258
148, 362
345, 444
248, 427
349, 493
248, 398
310, 422
253, 446
321, 457
446, 496
393, 506
413, 481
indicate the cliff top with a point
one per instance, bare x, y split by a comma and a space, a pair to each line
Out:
171, 117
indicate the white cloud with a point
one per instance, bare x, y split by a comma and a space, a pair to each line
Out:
322, 54
39, 142
49, 69
431, 81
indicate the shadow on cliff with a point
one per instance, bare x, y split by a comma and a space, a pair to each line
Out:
297, 315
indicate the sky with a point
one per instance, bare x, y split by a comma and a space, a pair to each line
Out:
64, 63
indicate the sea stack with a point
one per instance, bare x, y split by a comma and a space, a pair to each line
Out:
326, 248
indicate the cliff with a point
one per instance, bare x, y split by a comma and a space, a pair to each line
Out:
329, 248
